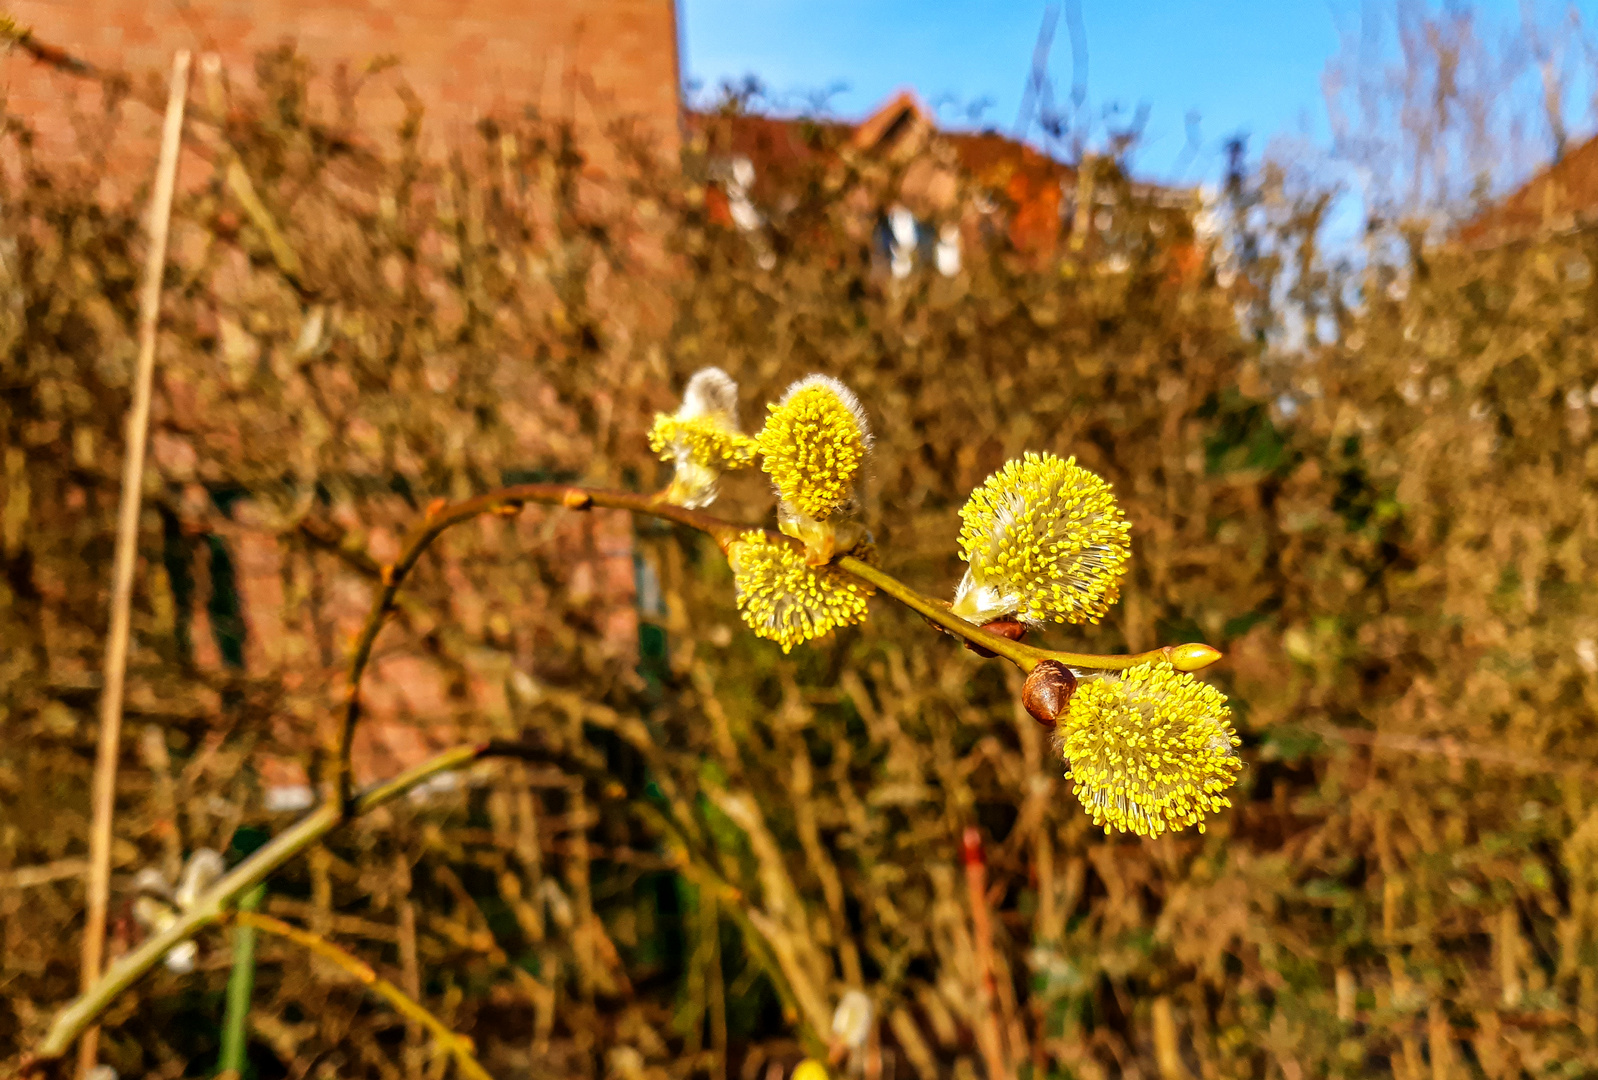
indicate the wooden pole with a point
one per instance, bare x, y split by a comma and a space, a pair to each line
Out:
116, 646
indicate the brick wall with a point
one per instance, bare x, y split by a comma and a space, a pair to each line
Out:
591, 61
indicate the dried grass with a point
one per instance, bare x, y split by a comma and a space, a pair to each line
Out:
1407, 559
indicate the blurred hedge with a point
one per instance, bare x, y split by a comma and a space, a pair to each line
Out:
1390, 535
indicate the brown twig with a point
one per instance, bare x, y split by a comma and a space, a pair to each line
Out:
440, 518
23, 38
458, 1045
127, 542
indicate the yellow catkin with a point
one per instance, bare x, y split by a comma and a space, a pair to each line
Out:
702, 438
813, 446
705, 440
1150, 749
1042, 539
785, 599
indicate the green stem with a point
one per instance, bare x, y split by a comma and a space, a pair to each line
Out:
240, 987
1025, 657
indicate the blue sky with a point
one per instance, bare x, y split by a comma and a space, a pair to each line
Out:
1250, 66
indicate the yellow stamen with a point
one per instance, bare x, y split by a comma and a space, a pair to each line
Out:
785, 599
1043, 539
1150, 749
704, 439
813, 446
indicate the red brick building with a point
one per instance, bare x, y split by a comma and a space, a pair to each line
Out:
1041, 206
589, 61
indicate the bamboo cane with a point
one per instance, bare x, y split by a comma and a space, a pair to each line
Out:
116, 647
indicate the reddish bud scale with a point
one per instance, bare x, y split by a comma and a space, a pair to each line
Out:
1047, 692
971, 847
1005, 628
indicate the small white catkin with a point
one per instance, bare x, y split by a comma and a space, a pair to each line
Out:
710, 392
851, 1020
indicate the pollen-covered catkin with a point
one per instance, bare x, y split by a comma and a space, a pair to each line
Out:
702, 438
784, 598
1150, 749
1043, 539
706, 442
814, 445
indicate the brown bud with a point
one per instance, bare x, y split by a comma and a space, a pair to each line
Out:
1005, 628
577, 499
1047, 691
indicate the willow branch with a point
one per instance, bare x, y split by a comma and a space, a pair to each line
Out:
82, 1011
1026, 657
440, 518
209, 908
459, 1046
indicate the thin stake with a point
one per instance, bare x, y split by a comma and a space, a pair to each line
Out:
116, 646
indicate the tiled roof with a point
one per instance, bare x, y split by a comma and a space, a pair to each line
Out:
1562, 197
1035, 185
